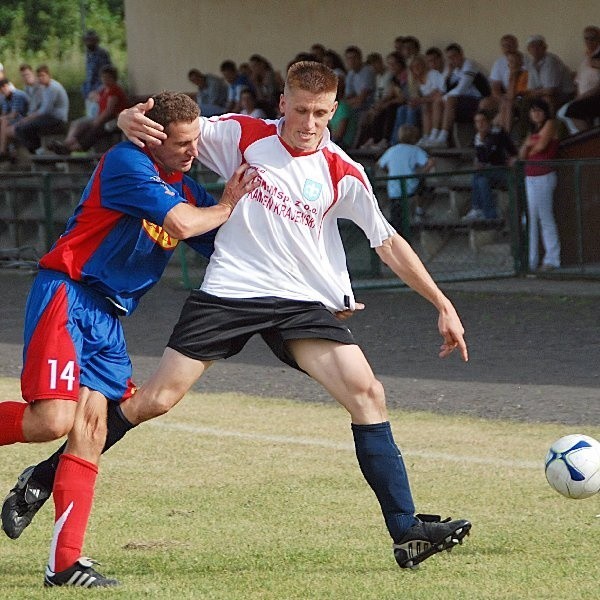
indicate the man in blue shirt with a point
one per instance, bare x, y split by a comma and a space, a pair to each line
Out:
13, 107
95, 58
51, 116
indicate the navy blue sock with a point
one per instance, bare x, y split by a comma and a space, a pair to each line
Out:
382, 466
117, 425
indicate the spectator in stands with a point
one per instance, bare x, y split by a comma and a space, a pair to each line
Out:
435, 59
429, 102
85, 132
398, 41
549, 78
266, 83
95, 58
31, 87
404, 158
318, 51
360, 80
579, 113
493, 148
540, 182
341, 126
13, 107
499, 75
334, 61
248, 102
51, 116
511, 99
236, 82
466, 85
212, 92
381, 127
410, 48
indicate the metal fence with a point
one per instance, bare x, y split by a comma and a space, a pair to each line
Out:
34, 208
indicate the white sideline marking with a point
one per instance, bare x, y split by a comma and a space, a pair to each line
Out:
322, 443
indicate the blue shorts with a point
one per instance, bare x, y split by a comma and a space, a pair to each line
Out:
73, 338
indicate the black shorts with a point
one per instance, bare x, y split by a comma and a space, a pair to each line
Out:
210, 327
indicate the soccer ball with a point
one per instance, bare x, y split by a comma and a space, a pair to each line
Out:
573, 466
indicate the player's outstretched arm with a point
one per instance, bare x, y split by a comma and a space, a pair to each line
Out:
184, 220
138, 128
397, 254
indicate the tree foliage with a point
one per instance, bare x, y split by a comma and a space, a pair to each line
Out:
49, 26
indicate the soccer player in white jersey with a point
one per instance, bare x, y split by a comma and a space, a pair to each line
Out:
279, 270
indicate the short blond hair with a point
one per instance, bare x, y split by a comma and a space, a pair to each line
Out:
312, 77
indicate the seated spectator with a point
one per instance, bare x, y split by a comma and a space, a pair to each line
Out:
499, 74
429, 101
342, 128
13, 107
51, 116
31, 87
380, 118
404, 158
236, 82
549, 78
212, 92
360, 80
435, 59
334, 61
266, 83
579, 113
512, 97
410, 48
87, 131
318, 51
493, 148
96, 57
249, 105
466, 85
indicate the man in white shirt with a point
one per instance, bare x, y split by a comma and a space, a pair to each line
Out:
549, 78
279, 271
466, 85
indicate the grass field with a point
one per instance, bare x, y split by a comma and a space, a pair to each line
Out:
235, 497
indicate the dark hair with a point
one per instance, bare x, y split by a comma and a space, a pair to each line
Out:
228, 65
411, 39
172, 107
485, 113
194, 73
24, 67
110, 70
435, 51
4, 82
454, 48
43, 69
336, 59
542, 105
353, 50
398, 58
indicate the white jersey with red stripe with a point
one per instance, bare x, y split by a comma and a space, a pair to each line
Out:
282, 239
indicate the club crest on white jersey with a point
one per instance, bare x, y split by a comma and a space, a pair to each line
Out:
311, 190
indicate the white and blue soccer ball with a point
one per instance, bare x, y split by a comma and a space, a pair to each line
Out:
573, 466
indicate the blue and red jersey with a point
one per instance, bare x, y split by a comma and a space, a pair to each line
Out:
115, 242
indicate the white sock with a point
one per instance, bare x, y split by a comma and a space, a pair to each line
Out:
433, 134
442, 136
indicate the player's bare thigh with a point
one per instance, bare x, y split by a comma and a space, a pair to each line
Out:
48, 419
174, 376
343, 370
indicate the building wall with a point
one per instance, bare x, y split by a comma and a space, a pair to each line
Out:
168, 37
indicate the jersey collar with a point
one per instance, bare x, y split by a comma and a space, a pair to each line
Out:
296, 153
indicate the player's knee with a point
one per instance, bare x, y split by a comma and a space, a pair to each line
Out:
369, 396
159, 405
59, 425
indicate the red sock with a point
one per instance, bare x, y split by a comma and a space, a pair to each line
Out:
11, 422
73, 497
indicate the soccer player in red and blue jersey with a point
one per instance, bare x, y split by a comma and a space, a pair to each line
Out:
136, 207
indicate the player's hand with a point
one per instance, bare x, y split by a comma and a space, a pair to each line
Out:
453, 333
342, 315
138, 128
242, 182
